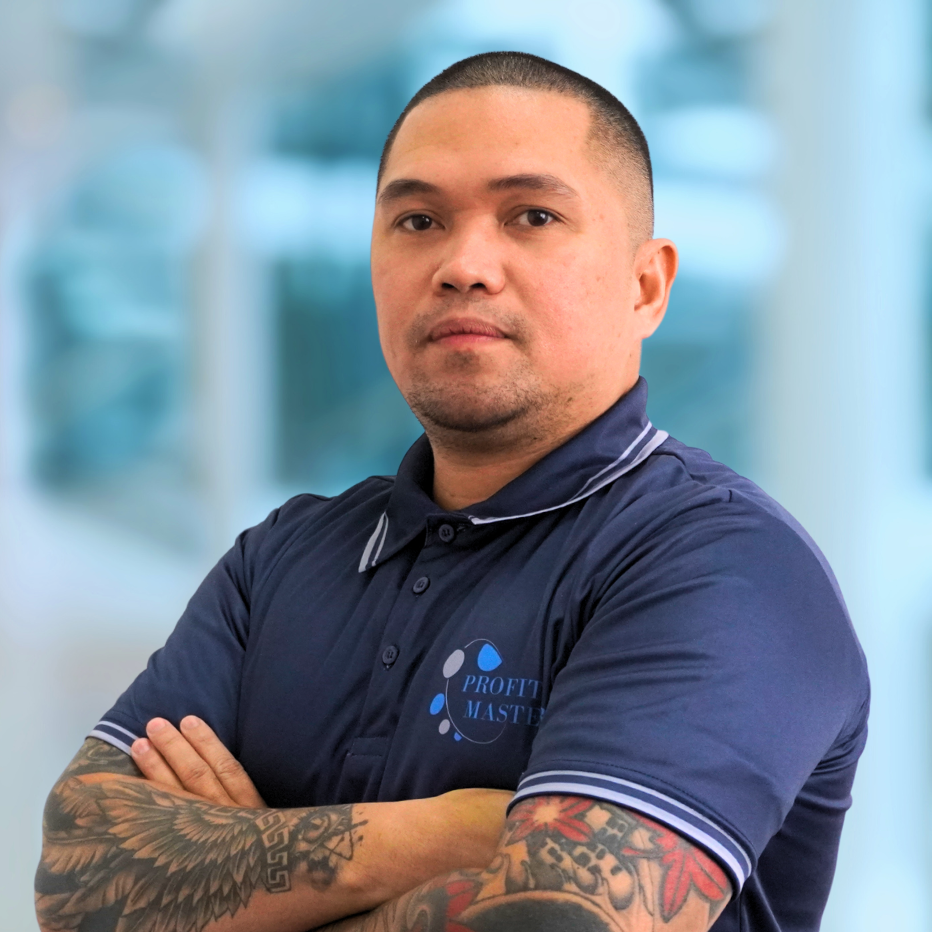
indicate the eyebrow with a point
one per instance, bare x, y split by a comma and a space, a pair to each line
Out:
532, 182
406, 187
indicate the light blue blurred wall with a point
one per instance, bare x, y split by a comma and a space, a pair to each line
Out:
845, 406
186, 331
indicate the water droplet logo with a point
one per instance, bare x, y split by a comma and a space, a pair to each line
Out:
453, 663
488, 658
479, 655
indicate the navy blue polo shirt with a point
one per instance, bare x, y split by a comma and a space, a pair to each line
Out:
628, 620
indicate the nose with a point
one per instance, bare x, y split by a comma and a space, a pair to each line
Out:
473, 261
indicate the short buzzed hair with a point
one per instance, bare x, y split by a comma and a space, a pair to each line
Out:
615, 133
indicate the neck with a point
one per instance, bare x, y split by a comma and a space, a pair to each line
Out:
471, 467
464, 477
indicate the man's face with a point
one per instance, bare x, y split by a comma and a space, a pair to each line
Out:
504, 272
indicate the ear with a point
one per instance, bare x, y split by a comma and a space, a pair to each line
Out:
655, 265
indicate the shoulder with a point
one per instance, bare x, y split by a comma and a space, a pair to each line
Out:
712, 493
308, 507
727, 567
308, 516
681, 494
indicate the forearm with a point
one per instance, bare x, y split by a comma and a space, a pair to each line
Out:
432, 907
485, 901
567, 863
118, 846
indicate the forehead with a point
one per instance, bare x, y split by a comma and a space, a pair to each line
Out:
493, 131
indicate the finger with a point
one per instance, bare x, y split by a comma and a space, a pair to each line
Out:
191, 769
152, 764
228, 770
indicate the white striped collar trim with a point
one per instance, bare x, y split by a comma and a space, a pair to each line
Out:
376, 542
604, 477
620, 460
607, 476
665, 810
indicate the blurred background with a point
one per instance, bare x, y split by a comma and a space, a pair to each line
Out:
187, 333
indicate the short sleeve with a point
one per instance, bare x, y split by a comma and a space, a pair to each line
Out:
716, 670
198, 670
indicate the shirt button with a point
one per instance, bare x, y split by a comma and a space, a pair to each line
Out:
420, 586
446, 533
389, 655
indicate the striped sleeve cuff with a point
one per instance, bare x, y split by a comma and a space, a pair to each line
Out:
114, 734
672, 813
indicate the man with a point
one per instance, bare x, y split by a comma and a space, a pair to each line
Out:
552, 599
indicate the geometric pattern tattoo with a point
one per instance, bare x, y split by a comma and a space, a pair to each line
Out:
567, 863
125, 856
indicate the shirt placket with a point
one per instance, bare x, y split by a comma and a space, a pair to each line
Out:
423, 591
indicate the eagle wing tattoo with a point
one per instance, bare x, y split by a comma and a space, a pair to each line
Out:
154, 861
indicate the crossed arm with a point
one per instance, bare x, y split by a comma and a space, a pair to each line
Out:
567, 864
131, 854
123, 853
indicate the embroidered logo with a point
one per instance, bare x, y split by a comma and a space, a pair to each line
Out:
478, 701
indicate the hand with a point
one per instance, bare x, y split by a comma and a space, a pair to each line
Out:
194, 759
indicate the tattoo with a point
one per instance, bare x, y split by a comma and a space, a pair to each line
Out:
99, 757
589, 843
568, 863
126, 856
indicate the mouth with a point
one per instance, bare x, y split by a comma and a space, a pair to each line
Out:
465, 331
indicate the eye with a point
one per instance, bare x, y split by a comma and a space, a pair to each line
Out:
417, 223
536, 218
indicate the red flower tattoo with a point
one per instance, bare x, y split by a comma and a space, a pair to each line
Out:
685, 868
554, 814
461, 894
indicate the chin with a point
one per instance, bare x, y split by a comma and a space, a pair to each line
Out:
471, 410
466, 419
475, 403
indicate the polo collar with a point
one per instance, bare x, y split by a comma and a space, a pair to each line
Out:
613, 444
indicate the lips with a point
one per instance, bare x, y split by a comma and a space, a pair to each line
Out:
464, 329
